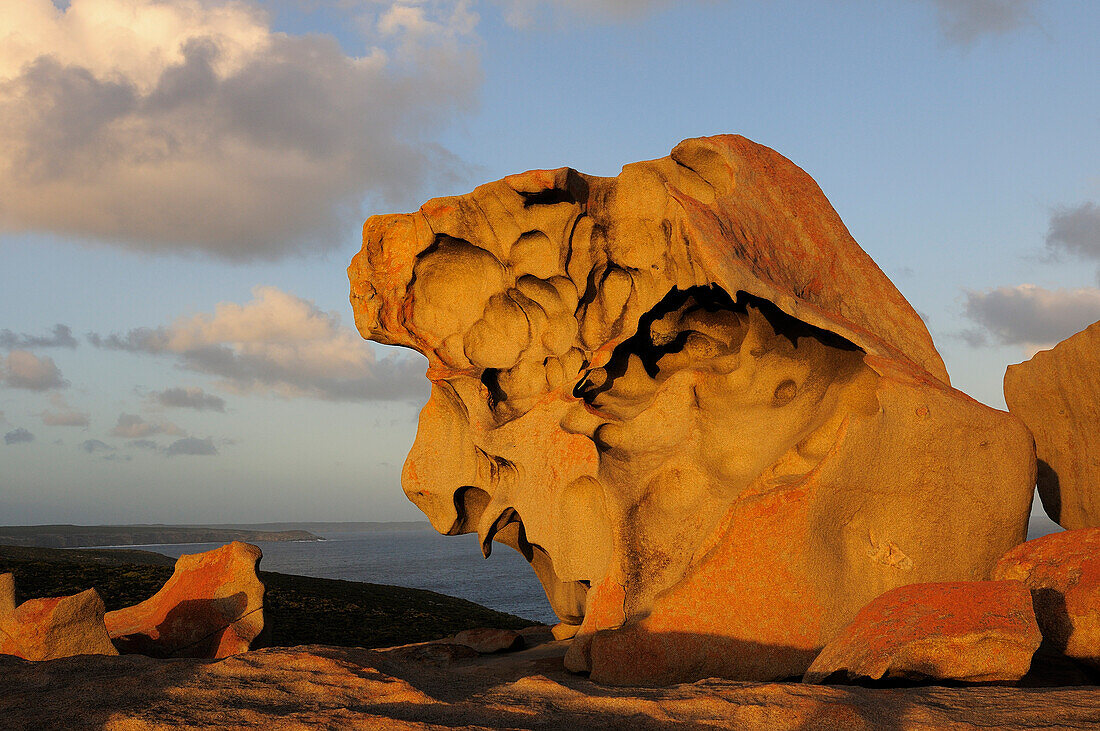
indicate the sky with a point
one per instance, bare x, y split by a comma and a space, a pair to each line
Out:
183, 183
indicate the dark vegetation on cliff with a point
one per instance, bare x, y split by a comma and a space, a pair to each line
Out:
298, 609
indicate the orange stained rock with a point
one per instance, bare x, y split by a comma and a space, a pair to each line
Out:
1057, 394
47, 629
685, 394
212, 606
1063, 572
975, 631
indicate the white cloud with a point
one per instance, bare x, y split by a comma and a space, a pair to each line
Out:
23, 369
1031, 316
132, 426
278, 343
193, 126
965, 21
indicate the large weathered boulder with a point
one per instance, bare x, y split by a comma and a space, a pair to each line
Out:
1057, 394
212, 606
1063, 572
969, 631
46, 629
692, 402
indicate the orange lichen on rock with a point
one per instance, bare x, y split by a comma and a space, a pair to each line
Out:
711, 424
1063, 572
212, 606
972, 631
46, 629
1057, 394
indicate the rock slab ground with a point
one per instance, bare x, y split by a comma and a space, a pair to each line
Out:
328, 687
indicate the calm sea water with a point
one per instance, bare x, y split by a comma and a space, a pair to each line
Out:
423, 559
419, 559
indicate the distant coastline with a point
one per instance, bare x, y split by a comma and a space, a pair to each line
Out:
82, 536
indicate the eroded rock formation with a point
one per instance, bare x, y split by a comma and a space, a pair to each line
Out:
45, 629
1063, 572
967, 631
692, 402
212, 606
1057, 394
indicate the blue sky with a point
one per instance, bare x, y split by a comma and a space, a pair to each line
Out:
173, 173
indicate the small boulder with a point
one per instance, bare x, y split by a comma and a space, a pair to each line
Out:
971, 631
1062, 570
46, 629
212, 606
487, 640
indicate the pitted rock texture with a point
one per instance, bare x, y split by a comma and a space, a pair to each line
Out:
1057, 394
212, 606
46, 629
968, 631
710, 423
1062, 570
338, 688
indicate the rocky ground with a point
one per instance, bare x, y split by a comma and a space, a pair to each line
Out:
439, 685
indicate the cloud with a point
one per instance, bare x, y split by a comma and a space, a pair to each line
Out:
61, 337
192, 446
95, 446
1075, 230
18, 436
144, 444
192, 126
188, 398
23, 369
132, 426
278, 343
64, 414
965, 21
1031, 315
524, 13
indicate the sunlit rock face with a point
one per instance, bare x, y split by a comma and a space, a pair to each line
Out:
692, 402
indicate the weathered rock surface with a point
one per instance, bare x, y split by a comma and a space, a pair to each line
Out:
969, 631
487, 640
708, 420
1062, 570
45, 629
1057, 394
325, 687
212, 606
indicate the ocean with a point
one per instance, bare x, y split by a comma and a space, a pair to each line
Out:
416, 558
423, 559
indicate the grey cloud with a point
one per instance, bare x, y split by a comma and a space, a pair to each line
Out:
1075, 230
65, 418
1030, 315
144, 444
132, 426
965, 21
60, 337
192, 446
188, 398
95, 446
23, 369
523, 13
273, 158
18, 436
